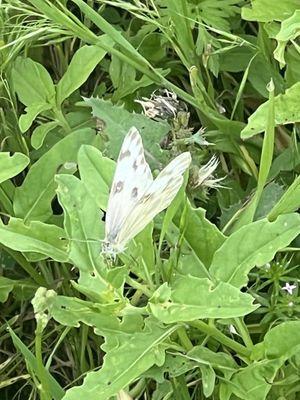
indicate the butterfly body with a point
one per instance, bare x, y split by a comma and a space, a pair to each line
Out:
135, 198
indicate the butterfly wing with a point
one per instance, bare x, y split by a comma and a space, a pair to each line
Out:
156, 198
132, 177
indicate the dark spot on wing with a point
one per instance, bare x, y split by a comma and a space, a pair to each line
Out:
134, 192
134, 135
141, 151
135, 165
124, 154
118, 187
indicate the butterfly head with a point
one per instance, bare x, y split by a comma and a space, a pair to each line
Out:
110, 249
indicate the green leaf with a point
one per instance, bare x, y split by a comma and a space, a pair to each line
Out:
200, 234
208, 379
6, 286
118, 121
289, 202
255, 381
253, 244
33, 198
32, 111
55, 390
130, 356
32, 82
12, 165
34, 237
81, 66
287, 111
96, 173
82, 224
283, 340
39, 134
191, 298
289, 30
268, 10
220, 361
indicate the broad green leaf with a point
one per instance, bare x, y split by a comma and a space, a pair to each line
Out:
96, 173
70, 311
283, 340
82, 222
12, 165
56, 391
39, 134
289, 202
268, 10
200, 234
81, 66
175, 364
253, 244
33, 198
255, 381
289, 30
208, 379
6, 286
32, 82
84, 228
130, 356
287, 111
32, 111
190, 298
118, 121
220, 361
35, 237
286, 161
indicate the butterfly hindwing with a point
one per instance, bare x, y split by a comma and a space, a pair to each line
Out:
156, 198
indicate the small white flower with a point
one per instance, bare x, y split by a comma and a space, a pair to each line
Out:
291, 303
232, 329
289, 288
206, 177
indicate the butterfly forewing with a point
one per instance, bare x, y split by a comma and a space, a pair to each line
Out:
156, 198
131, 179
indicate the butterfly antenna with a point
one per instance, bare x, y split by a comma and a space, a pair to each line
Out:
84, 241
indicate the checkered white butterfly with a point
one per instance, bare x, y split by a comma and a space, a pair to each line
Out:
135, 198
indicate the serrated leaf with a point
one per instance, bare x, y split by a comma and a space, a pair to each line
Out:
127, 360
190, 298
12, 165
253, 244
118, 121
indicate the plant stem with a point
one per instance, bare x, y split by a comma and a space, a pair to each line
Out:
226, 341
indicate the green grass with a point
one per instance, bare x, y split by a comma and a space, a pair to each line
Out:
204, 303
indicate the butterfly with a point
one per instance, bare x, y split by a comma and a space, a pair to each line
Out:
135, 197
